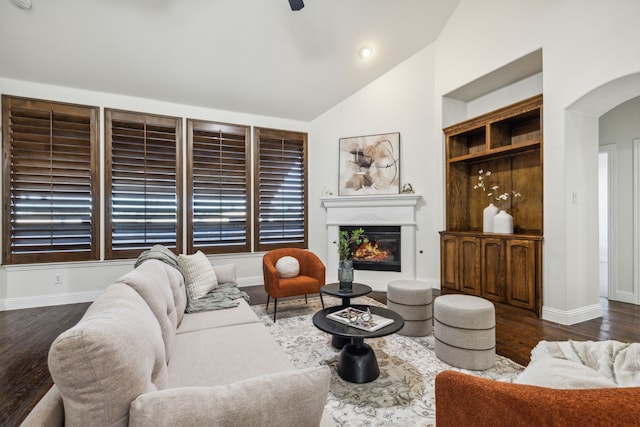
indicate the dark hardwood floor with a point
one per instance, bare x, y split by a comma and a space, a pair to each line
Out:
25, 337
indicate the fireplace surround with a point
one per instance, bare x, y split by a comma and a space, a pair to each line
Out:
373, 210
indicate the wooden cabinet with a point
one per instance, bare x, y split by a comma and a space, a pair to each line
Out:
503, 268
493, 269
469, 265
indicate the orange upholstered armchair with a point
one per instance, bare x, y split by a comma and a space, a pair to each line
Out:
309, 280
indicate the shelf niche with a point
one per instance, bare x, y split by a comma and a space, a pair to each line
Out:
507, 142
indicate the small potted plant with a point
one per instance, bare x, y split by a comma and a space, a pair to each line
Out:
345, 266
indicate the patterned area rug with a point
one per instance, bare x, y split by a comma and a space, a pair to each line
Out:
403, 394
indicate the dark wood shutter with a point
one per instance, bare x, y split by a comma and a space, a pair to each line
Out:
280, 187
218, 183
143, 183
50, 181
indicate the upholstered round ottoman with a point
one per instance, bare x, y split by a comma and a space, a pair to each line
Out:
413, 301
465, 331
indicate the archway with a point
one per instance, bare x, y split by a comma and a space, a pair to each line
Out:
586, 112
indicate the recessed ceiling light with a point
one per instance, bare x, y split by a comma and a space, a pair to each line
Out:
365, 52
22, 4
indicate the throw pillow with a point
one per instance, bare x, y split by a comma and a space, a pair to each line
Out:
199, 275
288, 267
225, 273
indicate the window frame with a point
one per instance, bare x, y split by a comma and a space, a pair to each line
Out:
290, 136
140, 118
51, 255
213, 127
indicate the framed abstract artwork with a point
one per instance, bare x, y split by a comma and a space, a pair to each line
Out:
370, 165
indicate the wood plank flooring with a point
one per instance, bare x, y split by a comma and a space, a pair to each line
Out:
26, 335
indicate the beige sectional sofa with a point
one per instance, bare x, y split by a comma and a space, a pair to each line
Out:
136, 358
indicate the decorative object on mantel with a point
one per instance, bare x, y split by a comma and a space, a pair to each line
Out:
327, 192
495, 219
407, 189
370, 165
345, 266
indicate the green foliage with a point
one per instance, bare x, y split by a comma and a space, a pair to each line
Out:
346, 239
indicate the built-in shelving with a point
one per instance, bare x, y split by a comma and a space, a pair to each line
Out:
504, 268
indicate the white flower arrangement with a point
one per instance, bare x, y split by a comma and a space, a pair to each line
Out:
482, 184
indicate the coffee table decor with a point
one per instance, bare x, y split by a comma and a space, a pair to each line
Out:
360, 319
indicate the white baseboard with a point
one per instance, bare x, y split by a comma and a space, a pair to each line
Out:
624, 296
250, 281
48, 300
571, 317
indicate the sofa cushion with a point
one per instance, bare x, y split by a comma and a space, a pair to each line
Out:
199, 275
562, 374
286, 399
111, 356
150, 280
288, 267
217, 318
225, 355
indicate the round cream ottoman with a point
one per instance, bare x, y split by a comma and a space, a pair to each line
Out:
413, 301
465, 331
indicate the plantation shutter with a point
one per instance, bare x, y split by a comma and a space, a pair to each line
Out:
218, 182
50, 181
143, 183
280, 189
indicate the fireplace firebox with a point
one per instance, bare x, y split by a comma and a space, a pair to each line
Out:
381, 252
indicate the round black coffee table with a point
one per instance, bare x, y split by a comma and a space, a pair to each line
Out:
358, 363
333, 289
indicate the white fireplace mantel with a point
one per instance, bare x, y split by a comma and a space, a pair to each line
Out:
397, 209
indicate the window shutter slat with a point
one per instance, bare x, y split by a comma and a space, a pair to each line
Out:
143, 183
281, 195
50, 181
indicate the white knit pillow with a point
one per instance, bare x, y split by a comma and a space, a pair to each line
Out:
199, 275
288, 267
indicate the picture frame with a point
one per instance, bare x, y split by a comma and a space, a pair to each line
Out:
369, 165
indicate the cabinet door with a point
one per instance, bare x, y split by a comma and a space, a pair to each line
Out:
492, 263
521, 273
449, 261
470, 265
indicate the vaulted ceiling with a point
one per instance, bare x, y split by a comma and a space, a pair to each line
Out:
252, 56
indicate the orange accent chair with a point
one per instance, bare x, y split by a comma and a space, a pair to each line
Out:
309, 281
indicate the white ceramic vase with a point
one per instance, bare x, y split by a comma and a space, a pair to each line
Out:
503, 223
487, 217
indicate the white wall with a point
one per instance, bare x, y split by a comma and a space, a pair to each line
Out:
32, 285
400, 101
621, 126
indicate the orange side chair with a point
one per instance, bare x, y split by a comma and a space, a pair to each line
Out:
309, 281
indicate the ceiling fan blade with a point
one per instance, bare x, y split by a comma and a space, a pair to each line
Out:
296, 4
